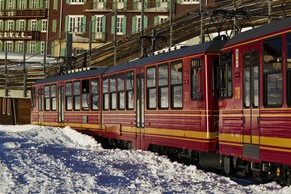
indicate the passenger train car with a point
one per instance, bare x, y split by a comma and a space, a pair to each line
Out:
225, 103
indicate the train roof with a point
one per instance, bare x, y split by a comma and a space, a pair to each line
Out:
212, 46
82, 74
264, 30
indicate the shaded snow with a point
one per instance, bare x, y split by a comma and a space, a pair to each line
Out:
38, 159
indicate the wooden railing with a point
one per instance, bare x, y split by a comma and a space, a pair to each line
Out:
23, 13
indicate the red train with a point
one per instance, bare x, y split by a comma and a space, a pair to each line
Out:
225, 104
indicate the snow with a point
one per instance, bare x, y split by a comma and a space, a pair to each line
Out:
37, 159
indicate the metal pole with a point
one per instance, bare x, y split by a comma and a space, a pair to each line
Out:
90, 42
234, 18
142, 28
44, 57
269, 11
115, 35
201, 23
171, 23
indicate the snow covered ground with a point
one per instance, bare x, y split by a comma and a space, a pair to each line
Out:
36, 159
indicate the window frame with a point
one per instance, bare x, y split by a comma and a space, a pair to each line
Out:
151, 87
162, 86
130, 91
198, 68
175, 85
226, 75
69, 96
95, 93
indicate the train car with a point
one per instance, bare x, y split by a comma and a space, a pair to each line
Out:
164, 102
155, 103
255, 101
68, 100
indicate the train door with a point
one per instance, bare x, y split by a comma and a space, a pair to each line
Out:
140, 117
40, 105
250, 85
61, 104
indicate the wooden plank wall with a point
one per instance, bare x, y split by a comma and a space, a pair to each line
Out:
20, 116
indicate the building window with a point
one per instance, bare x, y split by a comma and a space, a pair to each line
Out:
1, 25
225, 74
34, 4
42, 47
33, 25
32, 47
10, 25
99, 26
46, 3
176, 84
22, 4
21, 25
120, 20
76, 24
10, 47
1, 4
10, 4
272, 69
190, 1
76, 1
120, 4
44, 24
138, 24
20, 47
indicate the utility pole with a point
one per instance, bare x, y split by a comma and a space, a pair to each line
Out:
115, 35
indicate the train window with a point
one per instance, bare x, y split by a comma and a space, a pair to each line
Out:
195, 79
163, 86
176, 85
40, 99
4, 106
77, 97
129, 90
151, 88
256, 77
289, 69
69, 99
225, 75
272, 68
95, 94
105, 94
121, 94
53, 97
47, 98
113, 92
247, 81
85, 94
33, 97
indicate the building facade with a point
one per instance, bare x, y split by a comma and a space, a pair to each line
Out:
38, 26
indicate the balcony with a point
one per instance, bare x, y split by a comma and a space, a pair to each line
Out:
97, 5
23, 14
20, 35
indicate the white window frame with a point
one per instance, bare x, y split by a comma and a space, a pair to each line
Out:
120, 4
76, 1
33, 25
1, 4
163, 19
32, 47
10, 25
20, 47
42, 47
99, 26
190, 2
44, 25
46, 3
22, 4
21, 25
9, 46
34, 4
11, 4
119, 23
138, 23
1, 25
76, 23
